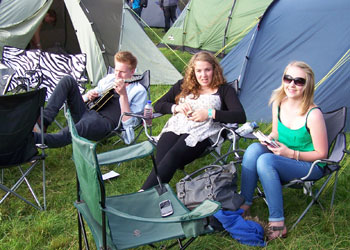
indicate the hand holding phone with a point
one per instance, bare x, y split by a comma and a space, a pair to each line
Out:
166, 208
262, 137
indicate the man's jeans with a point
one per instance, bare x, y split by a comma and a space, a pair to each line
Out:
89, 123
271, 170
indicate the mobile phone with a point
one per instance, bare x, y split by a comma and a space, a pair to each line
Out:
272, 144
262, 137
166, 208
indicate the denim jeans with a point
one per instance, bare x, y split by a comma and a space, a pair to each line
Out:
89, 123
272, 170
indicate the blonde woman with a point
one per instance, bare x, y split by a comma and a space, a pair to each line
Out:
299, 130
199, 103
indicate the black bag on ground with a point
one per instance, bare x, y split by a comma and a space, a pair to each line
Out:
213, 182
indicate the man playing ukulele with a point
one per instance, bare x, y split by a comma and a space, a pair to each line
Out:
92, 124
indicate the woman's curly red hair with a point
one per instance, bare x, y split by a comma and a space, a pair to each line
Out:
190, 84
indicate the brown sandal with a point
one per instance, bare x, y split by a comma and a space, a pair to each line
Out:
277, 232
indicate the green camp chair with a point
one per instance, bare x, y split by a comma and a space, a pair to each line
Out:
132, 219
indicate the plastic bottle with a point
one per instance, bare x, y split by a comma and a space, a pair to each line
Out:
148, 112
247, 128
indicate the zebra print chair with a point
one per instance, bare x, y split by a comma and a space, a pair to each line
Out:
26, 65
36, 69
54, 67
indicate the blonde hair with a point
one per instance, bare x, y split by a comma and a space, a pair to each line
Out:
127, 58
190, 84
309, 88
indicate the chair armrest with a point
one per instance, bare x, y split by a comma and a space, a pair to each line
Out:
335, 157
230, 128
131, 152
157, 115
207, 208
41, 146
120, 122
314, 164
140, 116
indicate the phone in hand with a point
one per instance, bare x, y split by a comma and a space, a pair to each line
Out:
262, 137
166, 208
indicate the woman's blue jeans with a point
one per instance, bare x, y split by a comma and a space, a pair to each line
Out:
272, 170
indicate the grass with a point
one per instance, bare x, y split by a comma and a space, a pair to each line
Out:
23, 227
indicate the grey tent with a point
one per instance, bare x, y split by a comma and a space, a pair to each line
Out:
320, 36
101, 27
153, 15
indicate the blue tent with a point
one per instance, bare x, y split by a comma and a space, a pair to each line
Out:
314, 31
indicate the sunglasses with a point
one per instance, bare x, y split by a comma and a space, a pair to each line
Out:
299, 81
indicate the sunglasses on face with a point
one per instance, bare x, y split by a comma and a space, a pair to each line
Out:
299, 81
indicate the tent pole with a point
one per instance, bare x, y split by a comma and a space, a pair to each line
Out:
244, 65
229, 19
121, 27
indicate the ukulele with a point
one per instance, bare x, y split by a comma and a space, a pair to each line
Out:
100, 101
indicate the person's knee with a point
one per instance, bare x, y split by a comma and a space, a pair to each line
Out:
67, 81
264, 164
252, 154
255, 148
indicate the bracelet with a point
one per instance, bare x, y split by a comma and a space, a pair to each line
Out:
210, 113
298, 152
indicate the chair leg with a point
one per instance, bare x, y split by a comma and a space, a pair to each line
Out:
334, 188
179, 242
58, 124
260, 195
18, 196
29, 187
44, 184
82, 231
314, 200
17, 184
188, 242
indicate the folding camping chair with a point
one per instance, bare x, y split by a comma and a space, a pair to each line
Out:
335, 123
54, 67
36, 69
17, 147
25, 64
130, 220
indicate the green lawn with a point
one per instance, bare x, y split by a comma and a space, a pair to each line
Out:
22, 227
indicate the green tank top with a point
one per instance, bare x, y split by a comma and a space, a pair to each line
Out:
296, 139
